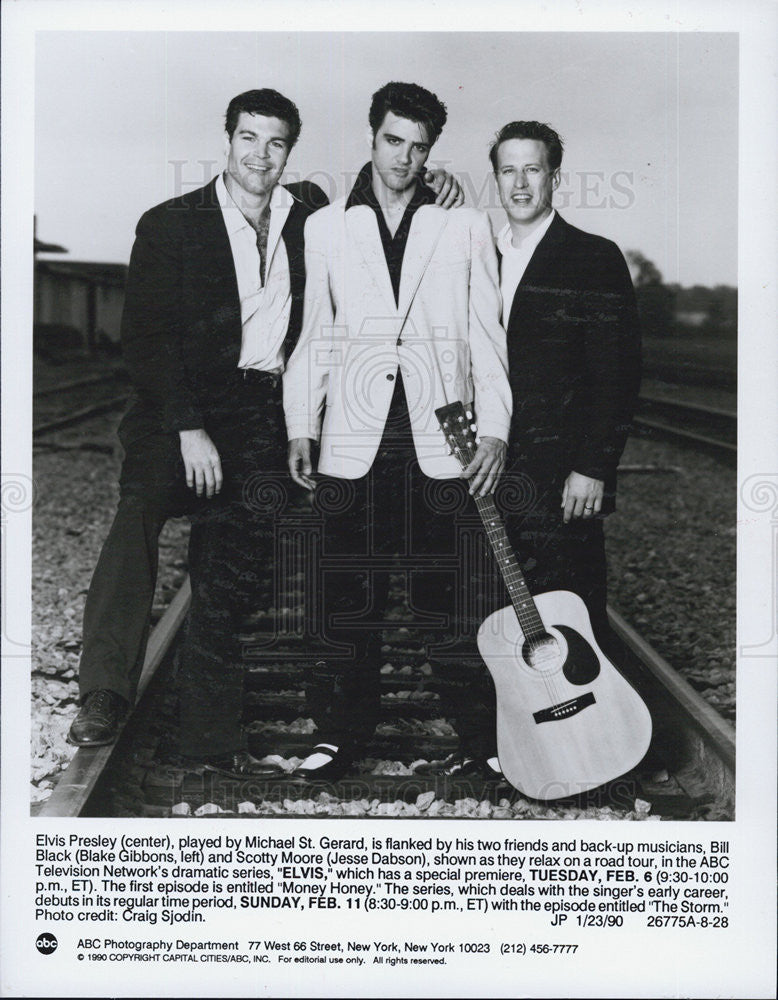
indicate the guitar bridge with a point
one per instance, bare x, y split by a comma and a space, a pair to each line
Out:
564, 709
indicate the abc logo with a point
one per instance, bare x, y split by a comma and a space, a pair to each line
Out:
46, 944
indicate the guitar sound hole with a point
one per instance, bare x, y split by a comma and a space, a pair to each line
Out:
542, 653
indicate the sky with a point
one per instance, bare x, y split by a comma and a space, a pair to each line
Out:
124, 120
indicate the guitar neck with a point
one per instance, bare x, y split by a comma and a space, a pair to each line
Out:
458, 424
521, 599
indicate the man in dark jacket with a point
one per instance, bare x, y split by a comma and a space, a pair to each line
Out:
574, 361
574, 367
213, 308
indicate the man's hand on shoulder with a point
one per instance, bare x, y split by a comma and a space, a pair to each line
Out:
310, 194
581, 496
201, 462
300, 465
446, 187
486, 468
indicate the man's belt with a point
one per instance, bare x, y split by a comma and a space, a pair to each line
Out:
257, 377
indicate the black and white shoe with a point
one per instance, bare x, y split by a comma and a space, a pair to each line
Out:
463, 765
325, 762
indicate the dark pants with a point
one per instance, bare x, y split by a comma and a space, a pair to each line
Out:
118, 604
231, 562
554, 555
231, 545
395, 520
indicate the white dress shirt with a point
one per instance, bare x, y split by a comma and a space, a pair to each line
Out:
515, 260
264, 311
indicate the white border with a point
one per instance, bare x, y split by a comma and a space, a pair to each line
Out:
661, 973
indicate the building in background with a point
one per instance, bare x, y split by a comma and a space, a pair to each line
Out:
77, 304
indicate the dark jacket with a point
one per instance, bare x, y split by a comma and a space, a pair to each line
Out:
574, 362
181, 325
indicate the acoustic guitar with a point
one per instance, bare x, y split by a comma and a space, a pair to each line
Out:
567, 720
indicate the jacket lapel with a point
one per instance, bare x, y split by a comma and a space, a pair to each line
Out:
537, 271
213, 242
215, 284
362, 227
426, 230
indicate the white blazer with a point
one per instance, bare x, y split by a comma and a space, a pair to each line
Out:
444, 336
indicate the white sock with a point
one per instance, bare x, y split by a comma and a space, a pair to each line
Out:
316, 760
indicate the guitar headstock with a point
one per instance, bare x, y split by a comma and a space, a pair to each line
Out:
457, 422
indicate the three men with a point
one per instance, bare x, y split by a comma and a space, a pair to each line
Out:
401, 317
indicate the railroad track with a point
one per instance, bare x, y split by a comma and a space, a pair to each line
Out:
70, 403
78, 383
688, 772
708, 427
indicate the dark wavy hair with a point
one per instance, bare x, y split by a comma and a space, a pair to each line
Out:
409, 100
265, 102
529, 130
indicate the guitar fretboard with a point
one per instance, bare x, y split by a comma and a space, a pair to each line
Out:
457, 424
521, 599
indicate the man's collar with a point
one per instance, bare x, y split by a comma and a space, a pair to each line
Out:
233, 217
363, 194
505, 236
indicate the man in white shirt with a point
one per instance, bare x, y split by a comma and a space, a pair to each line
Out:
401, 318
574, 359
573, 341
574, 349
212, 309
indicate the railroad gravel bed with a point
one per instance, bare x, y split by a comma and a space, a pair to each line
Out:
672, 562
671, 550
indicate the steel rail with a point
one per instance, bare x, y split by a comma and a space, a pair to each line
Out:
702, 409
672, 410
64, 387
78, 782
77, 416
715, 729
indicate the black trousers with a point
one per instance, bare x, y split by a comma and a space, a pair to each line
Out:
395, 520
231, 562
118, 604
554, 555
231, 546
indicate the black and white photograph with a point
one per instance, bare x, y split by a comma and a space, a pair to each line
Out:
388, 434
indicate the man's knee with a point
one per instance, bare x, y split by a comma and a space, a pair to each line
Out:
151, 510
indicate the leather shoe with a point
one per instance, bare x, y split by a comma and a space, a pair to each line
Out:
98, 722
241, 765
338, 764
461, 765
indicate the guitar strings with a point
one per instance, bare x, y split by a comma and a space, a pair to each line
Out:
494, 526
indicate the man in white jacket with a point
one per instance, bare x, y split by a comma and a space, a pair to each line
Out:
401, 316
